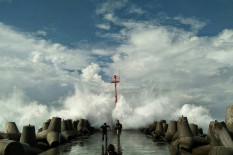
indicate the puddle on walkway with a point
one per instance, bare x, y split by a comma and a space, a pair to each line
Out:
131, 143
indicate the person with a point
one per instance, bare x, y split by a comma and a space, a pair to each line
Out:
118, 127
111, 150
104, 129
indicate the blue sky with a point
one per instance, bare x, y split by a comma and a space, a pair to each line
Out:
72, 22
57, 57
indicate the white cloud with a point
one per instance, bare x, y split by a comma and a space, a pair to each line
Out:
165, 72
102, 52
41, 33
36, 66
134, 9
186, 68
103, 26
110, 6
194, 23
91, 73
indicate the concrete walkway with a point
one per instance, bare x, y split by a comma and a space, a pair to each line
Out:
131, 143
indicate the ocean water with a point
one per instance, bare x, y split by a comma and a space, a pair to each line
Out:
131, 143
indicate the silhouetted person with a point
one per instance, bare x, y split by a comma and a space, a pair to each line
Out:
118, 127
111, 150
104, 129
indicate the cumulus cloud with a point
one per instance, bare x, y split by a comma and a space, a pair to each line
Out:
165, 71
188, 69
36, 65
45, 72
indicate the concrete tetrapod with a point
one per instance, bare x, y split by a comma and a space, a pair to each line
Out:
200, 131
66, 134
183, 127
28, 150
63, 125
28, 140
45, 125
54, 132
11, 128
172, 129
9, 147
11, 131
71, 129
185, 133
55, 125
165, 126
88, 126
221, 150
41, 136
155, 124
194, 129
81, 125
40, 129
53, 138
229, 119
159, 129
163, 121
28, 135
219, 135
75, 124
202, 150
199, 141
69, 124
175, 136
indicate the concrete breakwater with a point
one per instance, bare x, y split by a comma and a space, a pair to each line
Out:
54, 132
185, 138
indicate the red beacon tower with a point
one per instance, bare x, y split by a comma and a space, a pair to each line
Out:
115, 79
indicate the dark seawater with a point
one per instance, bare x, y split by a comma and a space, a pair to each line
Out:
131, 143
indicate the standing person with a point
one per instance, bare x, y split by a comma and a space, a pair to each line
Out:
104, 129
118, 127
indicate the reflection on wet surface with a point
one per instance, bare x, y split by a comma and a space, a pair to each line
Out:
131, 143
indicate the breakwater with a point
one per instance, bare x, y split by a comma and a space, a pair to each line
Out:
186, 138
54, 132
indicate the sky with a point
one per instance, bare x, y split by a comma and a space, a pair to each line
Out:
174, 57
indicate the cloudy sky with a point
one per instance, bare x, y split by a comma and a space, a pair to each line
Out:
174, 58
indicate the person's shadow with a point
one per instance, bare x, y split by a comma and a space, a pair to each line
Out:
118, 148
104, 149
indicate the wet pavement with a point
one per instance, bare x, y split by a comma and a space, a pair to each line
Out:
131, 143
